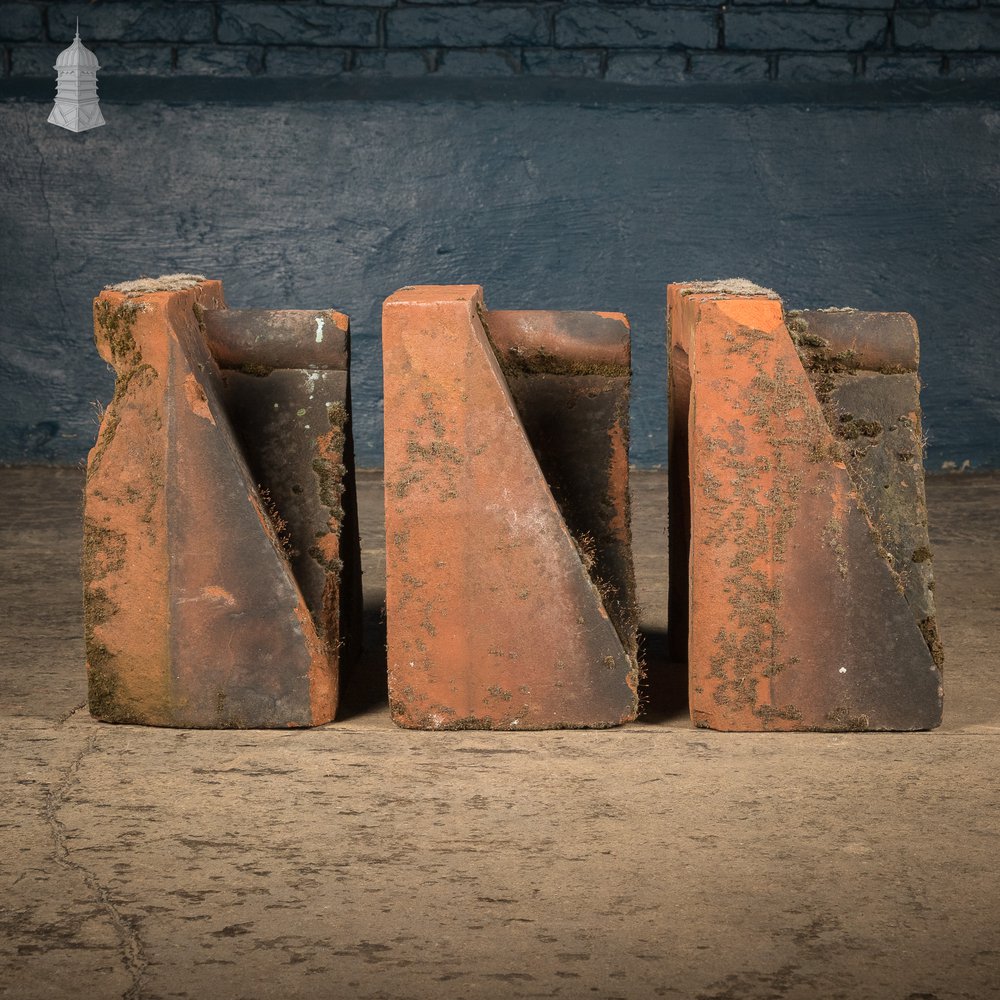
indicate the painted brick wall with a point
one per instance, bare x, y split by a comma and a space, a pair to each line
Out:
645, 42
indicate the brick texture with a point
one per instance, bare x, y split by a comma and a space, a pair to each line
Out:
133, 22
632, 27
20, 21
477, 63
244, 23
633, 42
463, 27
217, 60
965, 31
297, 60
246, 554
809, 580
804, 30
509, 584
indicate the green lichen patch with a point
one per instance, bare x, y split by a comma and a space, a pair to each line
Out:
255, 370
815, 353
469, 722
116, 323
518, 361
138, 376
436, 450
844, 718
850, 428
331, 486
278, 524
745, 339
752, 506
541, 362
103, 550
105, 699
833, 539
769, 714
821, 359
928, 629
426, 452
98, 609
798, 330
330, 472
401, 487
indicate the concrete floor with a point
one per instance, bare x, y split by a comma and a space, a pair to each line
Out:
362, 861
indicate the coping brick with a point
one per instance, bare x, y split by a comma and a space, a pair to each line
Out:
797, 615
221, 563
510, 593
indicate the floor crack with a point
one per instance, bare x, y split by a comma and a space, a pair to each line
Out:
132, 953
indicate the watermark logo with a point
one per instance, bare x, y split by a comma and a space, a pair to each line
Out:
76, 107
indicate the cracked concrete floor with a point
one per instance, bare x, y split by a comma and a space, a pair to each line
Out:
362, 861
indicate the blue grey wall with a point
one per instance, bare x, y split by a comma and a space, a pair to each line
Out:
585, 196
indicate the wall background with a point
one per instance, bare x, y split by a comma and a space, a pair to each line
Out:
564, 155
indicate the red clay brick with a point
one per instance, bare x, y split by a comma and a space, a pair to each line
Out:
501, 613
863, 369
797, 617
193, 613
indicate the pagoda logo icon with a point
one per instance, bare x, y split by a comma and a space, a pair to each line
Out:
76, 107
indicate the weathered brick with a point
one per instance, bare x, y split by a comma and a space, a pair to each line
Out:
312, 60
958, 31
509, 583
285, 386
20, 22
885, 5
635, 27
562, 62
903, 67
116, 60
646, 68
939, 4
863, 369
397, 63
798, 618
703, 4
133, 22
725, 68
220, 553
817, 68
135, 60
482, 63
248, 24
804, 30
219, 60
974, 67
34, 60
467, 27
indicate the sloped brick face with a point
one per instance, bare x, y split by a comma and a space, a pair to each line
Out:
496, 617
197, 613
797, 614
